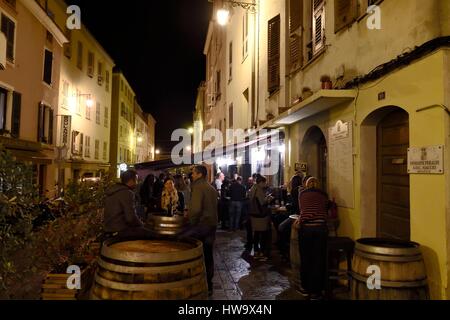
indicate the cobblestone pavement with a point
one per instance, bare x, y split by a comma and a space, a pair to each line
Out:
239, 277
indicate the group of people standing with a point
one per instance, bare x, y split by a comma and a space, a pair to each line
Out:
248, 206
198, 204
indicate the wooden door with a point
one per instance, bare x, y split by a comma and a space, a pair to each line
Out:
393, 194
323, 153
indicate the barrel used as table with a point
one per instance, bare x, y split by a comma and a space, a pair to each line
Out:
150, 270
164, 225
294, 256
403, 274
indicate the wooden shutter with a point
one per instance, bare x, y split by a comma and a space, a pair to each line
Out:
50, 126
81, 144
41, 126
295, 33
274, 54
344, 13
16, 111
8, 28
48, 67
318, 25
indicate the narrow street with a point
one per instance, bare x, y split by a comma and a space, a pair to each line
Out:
240, 277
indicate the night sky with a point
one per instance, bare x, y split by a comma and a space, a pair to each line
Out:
159, 47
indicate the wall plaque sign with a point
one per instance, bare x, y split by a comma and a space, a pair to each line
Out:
426, 160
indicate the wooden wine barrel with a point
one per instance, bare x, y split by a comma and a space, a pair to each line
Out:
403, 274
150, 270
167, 226
294, 255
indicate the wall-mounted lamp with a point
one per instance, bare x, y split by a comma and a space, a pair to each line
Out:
223, 15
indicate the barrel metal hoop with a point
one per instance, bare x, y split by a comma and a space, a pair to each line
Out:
392, 284
148, 270
148, 286
388, 251
389, 258
140, 257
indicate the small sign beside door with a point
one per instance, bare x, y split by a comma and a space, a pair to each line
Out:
426, 160
302, 167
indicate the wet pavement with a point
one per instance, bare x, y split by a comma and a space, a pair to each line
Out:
239, 277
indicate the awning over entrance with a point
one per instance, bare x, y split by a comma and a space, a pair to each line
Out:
320, 101
32, 156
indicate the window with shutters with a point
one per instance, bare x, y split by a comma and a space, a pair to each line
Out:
97, 149
80, 55
88, 112
231, 117
245, 35
87, 147
107, 81
3, 108
77, 143
97, 113
100, 73
105, 150
91, 61
106, 117
8, 27
16, 113
318, 34
45, 124
48, 67
68, 45
218, 84
344, 14
274, 54
295, 34
363, 5
230, 62
65, 95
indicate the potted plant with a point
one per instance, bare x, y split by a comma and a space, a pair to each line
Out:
306, 93
326, 82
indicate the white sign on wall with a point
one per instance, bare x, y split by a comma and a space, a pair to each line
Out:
340, 153
426, 160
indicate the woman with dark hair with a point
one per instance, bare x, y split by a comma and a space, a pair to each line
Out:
313, 236
146, 193
260, 218
182, 187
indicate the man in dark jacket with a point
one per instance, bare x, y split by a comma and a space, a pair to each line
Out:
120, 213
238, 195
203, 218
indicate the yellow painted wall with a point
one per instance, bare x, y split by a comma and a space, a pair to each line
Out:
419, 85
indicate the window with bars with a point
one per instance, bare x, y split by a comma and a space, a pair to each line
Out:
8, 27
274, 54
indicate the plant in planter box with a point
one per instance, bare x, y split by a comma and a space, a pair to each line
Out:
326, 82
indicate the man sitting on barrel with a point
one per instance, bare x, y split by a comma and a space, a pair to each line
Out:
203, 218
121, 219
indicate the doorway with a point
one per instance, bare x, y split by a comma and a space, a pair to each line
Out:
315, 154
393, 185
